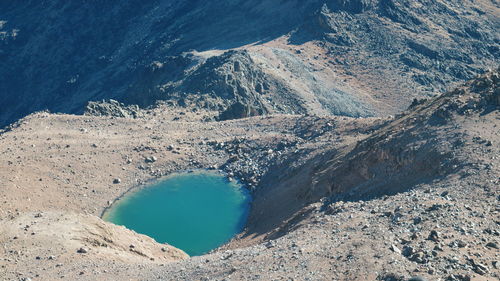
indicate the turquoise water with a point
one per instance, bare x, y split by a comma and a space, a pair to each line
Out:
195, 212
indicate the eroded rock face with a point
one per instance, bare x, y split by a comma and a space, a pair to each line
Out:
223, 83
231, 77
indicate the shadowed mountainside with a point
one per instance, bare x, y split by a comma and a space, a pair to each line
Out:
343, 57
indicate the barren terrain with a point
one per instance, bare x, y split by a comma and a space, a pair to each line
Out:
335, 198
368, 154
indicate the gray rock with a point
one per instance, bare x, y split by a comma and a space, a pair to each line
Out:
492, 245
481, 268
458, 277
150, 159
395, 249
434, 236
82, 250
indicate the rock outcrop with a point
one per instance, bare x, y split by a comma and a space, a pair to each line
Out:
112, 108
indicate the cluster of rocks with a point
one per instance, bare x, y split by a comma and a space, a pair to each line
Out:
248, 160
113, 108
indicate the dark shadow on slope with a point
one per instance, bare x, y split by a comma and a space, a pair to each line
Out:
60, 55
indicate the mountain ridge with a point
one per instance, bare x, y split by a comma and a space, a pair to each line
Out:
59, 56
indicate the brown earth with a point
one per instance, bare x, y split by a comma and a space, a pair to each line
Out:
335, 198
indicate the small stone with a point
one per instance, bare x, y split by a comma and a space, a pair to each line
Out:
492, 245
164, 249
418, 257
117, 181
408, 251
434, 236
438, 247
417, 220
82, 250
226, 255
269, 244
150, 159
395, 249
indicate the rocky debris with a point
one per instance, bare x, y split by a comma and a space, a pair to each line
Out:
113, 108
248, 160
432, 62
333, 185
480, 268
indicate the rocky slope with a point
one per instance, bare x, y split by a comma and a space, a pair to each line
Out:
241, 58
420, 146
417, 197
335, 198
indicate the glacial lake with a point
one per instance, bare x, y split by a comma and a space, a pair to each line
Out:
195, 212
